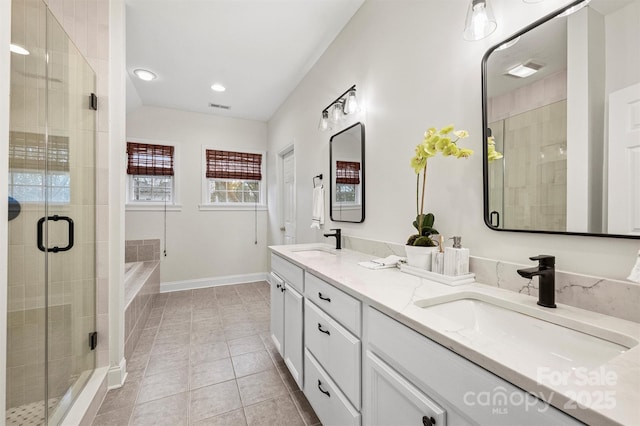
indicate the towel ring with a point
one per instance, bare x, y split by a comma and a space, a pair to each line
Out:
316, 177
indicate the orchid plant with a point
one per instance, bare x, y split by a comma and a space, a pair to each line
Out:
444, 141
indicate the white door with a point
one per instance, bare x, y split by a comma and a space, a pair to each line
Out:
289, 198
624, 161
277, 312
293, 319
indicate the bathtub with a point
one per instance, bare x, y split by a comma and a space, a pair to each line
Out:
141, 285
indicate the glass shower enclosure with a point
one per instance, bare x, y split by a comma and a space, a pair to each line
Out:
52, 251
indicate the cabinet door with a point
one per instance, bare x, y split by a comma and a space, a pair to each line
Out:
277, 312
391, 399
293, 325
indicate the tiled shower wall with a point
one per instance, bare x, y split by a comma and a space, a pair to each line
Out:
535, 168
87, 24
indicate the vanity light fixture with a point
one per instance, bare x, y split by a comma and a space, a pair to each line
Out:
324, 122
18, 49
345, 104
574, 9
217, 87
480, 21
144, 74
524, 70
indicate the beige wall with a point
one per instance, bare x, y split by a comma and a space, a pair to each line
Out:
200, 244
416, 73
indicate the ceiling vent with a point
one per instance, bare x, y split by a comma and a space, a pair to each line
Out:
219, 106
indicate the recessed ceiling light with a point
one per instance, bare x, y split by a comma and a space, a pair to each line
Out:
575, 8
217, 87
145, 75
508, 44
18, 49
524, 70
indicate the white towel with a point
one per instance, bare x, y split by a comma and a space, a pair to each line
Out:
317, 208
383, 263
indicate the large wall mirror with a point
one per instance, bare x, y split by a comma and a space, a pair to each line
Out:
562, 101
346, 165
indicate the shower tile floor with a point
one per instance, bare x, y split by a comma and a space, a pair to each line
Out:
29, 414
206, 358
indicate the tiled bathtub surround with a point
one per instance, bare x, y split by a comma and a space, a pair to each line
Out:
141, 250
610, 297
142, 284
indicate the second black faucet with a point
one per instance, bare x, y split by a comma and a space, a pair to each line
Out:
338, 235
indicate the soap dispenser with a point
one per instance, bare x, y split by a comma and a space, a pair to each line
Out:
456, 259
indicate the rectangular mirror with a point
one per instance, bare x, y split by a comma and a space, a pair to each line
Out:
346, 177
562, 100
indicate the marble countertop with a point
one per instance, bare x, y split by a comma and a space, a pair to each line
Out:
607, 394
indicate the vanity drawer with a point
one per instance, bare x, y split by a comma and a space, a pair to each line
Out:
438, 372
291, 273
338, 304
330, 405
335, 348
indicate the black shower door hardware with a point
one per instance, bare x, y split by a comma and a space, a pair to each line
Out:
55, 218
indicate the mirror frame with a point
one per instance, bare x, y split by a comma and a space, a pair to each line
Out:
362, 172
485, 135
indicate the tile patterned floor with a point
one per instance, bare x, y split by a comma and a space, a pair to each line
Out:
206, 358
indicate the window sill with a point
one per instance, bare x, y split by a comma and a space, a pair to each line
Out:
230, 207
152, 207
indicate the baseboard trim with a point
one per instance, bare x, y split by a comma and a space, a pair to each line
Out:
117, 374
171, 286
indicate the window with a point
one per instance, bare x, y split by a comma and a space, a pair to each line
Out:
233, 178
151, 172
27, 160
347, 182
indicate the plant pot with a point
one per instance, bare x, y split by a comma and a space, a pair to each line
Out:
420, 256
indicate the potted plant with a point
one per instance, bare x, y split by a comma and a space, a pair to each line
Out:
421, 245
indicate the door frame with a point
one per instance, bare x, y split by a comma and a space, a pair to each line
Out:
290, 148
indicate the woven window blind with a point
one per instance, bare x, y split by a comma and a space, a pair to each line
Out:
233, 165
348, 172
149, 159
27, 152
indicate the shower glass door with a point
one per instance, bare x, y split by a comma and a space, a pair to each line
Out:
52, 266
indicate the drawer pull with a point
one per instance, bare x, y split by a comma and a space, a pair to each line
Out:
283, 289
327, 299
428, 421
324, 331
322, 390
277, 285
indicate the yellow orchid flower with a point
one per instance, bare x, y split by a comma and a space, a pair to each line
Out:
464, 153
447, 129
461, 134
443, 143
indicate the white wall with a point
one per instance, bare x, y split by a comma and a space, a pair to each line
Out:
409, 60
200, 244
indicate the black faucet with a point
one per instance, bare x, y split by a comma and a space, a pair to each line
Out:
546, 271
338, 235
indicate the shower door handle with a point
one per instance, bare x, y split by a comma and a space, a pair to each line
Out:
497, 224
40, 236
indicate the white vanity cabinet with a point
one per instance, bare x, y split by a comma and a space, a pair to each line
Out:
409, 379
333, 355
287, 307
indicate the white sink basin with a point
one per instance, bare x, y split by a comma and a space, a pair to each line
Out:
314, 253
527, 332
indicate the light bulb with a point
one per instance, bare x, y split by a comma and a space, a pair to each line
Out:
324, 121
337, 113
351, 104
480, 21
